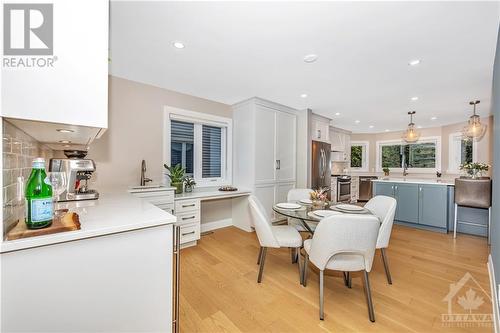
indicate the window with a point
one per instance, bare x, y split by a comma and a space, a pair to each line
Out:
423, 156
182, 141
461, 151
200, 143
359, 155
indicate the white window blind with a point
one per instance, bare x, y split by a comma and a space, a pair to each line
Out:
211, 152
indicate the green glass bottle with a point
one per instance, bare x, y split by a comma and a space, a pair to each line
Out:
38, 194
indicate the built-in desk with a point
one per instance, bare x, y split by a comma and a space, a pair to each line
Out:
187, 208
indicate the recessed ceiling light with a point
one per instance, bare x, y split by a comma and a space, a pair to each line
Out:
64, 141
303, 95
419, 126
310, 58
178, 45
371, 126
415, 98
414, 62
434, 118
357, 121
67, 146
387, 130
337, 113
64, 130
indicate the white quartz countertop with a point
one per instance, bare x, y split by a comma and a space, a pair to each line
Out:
208, 193
111, 213
433, 181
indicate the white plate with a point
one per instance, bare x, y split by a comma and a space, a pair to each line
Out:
349, 207
287, 205
306, 201
324, 213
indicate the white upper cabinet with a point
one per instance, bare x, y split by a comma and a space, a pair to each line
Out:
68, 84
320, 128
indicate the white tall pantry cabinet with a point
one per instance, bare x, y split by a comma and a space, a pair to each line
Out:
265, 149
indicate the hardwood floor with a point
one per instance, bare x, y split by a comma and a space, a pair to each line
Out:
219, 290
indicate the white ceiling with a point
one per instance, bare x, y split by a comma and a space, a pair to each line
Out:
239, 50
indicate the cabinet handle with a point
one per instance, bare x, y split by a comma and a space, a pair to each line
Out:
191, 205
188, 233
188, 218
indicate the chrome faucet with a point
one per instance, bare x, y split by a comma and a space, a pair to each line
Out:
144, 179
405, 170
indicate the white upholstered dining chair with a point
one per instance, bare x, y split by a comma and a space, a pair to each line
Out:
343, 243
272, 236
384, 208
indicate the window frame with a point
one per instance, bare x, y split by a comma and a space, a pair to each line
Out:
365, 155
431, 139
453, 167
199, 119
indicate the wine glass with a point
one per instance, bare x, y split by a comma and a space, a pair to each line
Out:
58, 181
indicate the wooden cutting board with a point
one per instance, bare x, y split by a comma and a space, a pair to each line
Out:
66, 221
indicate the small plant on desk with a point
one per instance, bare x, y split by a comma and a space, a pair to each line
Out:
189, 184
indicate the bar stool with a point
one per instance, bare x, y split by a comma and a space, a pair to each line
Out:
475, 193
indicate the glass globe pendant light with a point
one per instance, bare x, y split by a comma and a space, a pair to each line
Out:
411, 134
474, 128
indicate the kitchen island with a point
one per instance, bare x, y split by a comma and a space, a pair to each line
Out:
112, 275
429, 204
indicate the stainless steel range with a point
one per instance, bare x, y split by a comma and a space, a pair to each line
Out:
343, 188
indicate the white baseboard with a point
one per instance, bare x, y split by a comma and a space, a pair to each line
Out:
216, 225
494, 295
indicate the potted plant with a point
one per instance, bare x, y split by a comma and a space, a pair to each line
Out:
189, 183
176, 175
319, 196
386, 171
474, 170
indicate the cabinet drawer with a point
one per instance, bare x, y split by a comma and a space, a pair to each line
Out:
157, 198
190, 232
188, 217
182, 206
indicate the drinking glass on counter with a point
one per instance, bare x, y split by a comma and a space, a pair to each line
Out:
58, 181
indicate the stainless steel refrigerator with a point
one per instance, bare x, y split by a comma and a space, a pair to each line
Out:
320, 166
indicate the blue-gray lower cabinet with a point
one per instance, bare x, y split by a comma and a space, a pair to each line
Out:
421, 205
407, 197
433, 205
386, 189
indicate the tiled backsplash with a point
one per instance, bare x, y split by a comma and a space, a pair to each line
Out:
19, 149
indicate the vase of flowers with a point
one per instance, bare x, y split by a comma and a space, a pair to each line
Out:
319, 197
176, 175
386, 171
474, 170
189, 184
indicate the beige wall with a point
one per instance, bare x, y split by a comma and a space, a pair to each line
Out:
136, 131
484, 146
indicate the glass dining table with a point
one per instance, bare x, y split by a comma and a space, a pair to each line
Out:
309, 216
